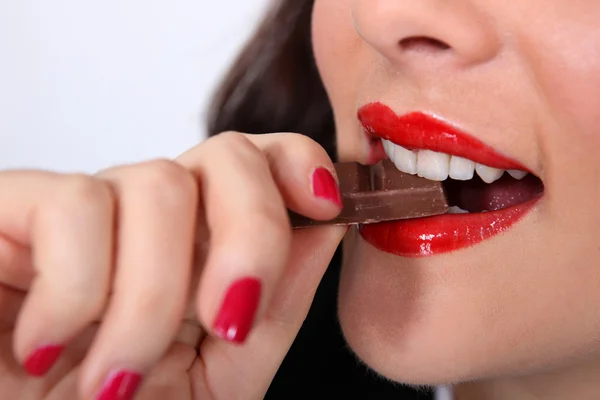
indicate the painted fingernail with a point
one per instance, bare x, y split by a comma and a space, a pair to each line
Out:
120, 385
42, 359
236, 316
325, 186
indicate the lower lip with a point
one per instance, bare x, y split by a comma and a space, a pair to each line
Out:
442, 234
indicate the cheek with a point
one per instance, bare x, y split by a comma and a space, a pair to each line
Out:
574, 102
332, 35
342, 60
567, 72
562, 52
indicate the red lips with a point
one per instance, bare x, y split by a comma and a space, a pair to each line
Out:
421, 131
439, 234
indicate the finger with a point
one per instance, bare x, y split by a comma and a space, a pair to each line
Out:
16, 269
169, 379
303, 172
62, 382
260, 358
157, 213
249, 233
247, 183
71, 233
11, 301
21, 192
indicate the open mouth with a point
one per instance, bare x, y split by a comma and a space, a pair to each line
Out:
469, 186
487, 192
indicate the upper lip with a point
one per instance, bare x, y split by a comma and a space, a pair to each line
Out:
418, 130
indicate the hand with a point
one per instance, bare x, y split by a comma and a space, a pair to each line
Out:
98, 273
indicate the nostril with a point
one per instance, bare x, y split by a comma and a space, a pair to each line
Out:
423, 43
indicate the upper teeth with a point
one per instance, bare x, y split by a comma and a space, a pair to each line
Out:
488, 174
517, 174
439, 166
461, 168
433, 165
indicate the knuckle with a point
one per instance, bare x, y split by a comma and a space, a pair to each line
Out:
293, 148
304, 141
165, 181
299, 142
307, 147
81, 194
231, 138
239, 146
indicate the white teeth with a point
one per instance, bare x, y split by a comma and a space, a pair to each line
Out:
461, 169
456, 210
438, 166
405, 160
515, 173
388, 147
433, 165
488, 174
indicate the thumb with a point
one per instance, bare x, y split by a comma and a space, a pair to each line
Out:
227, 371
311, 252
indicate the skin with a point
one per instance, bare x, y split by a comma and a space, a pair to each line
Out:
517, 315
514, 316
97, 262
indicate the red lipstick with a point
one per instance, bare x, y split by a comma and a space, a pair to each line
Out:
418, 130
440, 234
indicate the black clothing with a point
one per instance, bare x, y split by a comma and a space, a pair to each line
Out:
319, 365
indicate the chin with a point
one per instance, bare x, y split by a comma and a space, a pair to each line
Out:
452, 318
416, 364
389, 323
405, 356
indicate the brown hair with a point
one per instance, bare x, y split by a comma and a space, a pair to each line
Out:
274, 85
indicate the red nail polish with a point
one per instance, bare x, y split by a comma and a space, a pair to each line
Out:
42, 359
120, 385
325, 186
236, 316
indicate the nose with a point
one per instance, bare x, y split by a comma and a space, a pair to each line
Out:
408, 32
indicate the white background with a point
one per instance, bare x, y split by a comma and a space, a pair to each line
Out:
88, 84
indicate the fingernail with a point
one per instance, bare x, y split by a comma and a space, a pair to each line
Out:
325, 186
237, 312
42, 359
120, 385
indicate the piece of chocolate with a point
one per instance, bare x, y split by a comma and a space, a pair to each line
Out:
379, 193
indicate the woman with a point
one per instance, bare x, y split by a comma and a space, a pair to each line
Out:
499, 302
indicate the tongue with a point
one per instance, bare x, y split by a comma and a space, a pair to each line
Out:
476, 196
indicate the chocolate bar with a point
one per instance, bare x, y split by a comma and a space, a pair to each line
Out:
379, 193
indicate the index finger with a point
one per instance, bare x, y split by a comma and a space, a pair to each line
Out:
247, 184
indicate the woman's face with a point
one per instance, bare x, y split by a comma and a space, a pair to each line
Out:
517, 85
